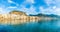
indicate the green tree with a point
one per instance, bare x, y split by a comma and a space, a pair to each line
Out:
17, 12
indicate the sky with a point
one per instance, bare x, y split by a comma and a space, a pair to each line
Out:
31, 6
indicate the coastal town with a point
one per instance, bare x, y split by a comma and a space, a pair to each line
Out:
16, 17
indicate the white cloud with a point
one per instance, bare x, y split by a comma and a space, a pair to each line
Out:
45, 10
12, 7
30, 10
30, 1
10, 1
55, 2
50, 10
2, 10
55, 9
48, 2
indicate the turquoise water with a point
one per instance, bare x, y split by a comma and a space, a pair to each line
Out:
43, 26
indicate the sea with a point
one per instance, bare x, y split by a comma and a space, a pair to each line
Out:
40, 26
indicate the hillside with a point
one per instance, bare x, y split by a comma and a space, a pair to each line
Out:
45, 15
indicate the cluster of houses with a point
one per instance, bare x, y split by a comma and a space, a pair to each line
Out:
16, 17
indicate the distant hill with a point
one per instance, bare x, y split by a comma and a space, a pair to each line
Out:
45, 15
17, 12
